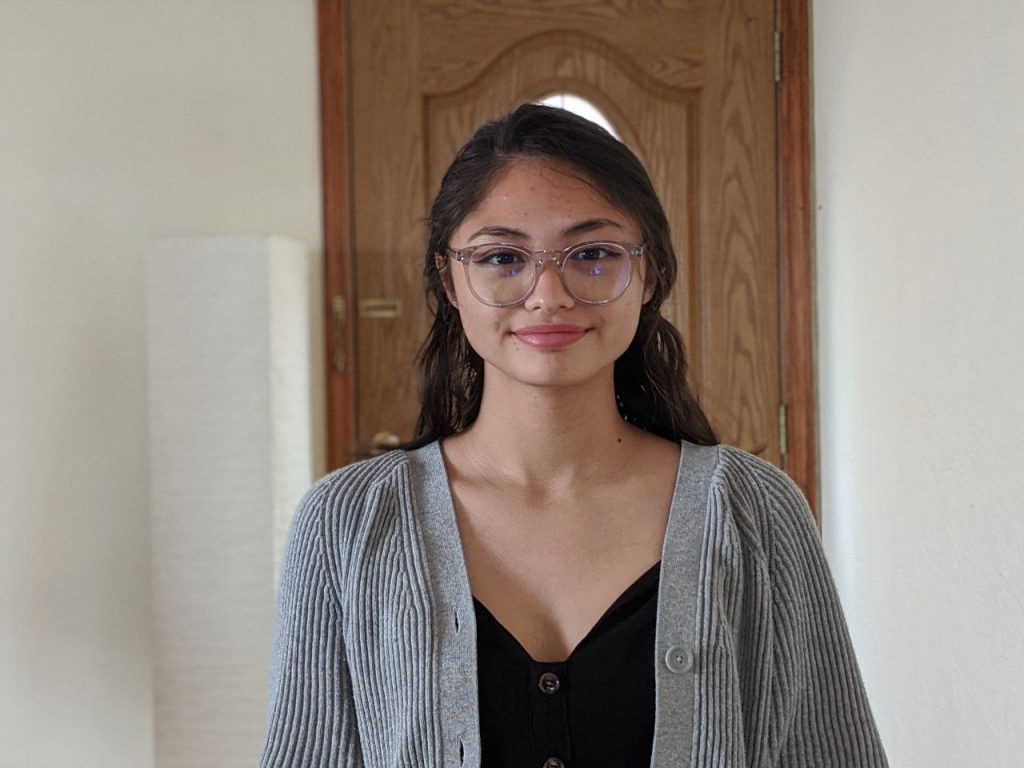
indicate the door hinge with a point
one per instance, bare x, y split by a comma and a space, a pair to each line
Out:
783, 429
338, 307
778, 56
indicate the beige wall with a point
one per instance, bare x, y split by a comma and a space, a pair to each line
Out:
920, 173
119, 121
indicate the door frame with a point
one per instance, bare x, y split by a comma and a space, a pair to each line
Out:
794, 158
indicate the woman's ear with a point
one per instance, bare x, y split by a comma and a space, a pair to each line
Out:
650, 281
648, 290
443, 267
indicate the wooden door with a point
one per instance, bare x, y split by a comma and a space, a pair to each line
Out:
688, 84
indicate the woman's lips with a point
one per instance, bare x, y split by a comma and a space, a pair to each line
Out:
550, 336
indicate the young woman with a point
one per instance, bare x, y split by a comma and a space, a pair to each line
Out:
564, 569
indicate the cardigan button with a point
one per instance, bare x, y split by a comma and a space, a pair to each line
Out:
553, 762
678, 660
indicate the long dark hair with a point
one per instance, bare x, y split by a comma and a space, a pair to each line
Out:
650, 377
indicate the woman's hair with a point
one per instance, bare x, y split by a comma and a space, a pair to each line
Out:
650, 377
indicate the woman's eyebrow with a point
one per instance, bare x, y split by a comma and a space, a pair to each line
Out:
498, 231
590, 225
579, 228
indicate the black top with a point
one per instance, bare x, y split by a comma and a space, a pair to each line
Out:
593, 710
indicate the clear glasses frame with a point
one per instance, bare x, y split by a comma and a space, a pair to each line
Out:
540, 258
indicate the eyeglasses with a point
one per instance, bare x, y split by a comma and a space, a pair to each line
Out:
500, 275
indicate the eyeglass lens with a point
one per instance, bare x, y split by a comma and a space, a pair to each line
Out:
593, 273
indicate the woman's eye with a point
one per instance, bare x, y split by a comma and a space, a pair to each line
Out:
499, 258
595, 253
596, 260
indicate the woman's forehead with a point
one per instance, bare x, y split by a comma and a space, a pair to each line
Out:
551, 172
529, 193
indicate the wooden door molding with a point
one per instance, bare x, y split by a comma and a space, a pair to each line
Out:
335, 142
795, 220
796, 247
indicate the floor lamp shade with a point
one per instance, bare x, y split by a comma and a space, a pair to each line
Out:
228, 334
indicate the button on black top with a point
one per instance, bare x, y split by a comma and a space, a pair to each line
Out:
593, 710
549, 683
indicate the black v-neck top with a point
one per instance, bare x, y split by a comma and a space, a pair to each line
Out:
593, 710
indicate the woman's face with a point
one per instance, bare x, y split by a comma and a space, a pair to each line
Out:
549, 339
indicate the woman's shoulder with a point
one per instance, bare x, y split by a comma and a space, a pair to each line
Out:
760, 498
365, 474
352, 492
744, 473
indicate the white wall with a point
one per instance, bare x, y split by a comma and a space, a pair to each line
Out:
119, 121
920, 174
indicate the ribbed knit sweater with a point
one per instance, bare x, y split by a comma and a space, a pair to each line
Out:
375, 652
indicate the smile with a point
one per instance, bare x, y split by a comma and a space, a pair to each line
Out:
550, 336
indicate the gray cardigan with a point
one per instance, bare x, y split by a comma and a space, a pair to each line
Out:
375, 653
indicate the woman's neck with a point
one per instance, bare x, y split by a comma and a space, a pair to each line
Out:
548, 435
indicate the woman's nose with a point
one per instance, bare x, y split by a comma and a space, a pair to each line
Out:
549, 293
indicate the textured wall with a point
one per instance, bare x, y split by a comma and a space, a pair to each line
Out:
920, 162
